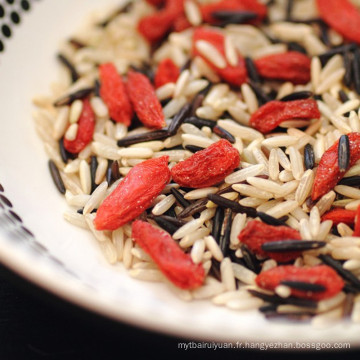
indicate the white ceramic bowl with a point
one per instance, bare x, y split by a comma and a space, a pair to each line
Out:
65, 260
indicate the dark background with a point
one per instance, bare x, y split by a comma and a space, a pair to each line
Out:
36, 325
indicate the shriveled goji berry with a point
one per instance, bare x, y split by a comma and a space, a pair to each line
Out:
341, 15
86, 126
208, 10
357, 222
156, 26
112, 91
181, 23
166, 72
273, 113
291, 66
340, 216
176, 265
320, 275
328, 173
156, 2
235, 75
144, 100
257, 233
134, 194
207, 167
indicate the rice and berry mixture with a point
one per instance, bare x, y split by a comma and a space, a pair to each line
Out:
214, 145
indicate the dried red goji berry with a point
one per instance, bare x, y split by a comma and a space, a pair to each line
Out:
291, 66
155, 2
257, 233
273, 113
328, 173
340, 216
181, 23
143, 98
232, 5
321, 275
357, 222
133, 194
207, 167
86, 126
156, 26
112, 91
235, 75
166, 72
176, 265
342, 16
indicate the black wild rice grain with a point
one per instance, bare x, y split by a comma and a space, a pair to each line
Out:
1, 188
336, 265
348, 65
343, 96
262, 97
268, 309
199, 122
148, 136
194, 208
178, 119
350, 181
225, 239
309, 157
348, 289
233, 205
93, 167
324, 57
252, 71
348, 305
171, 219
196, 102
115, 173
298, 95
164, 224
65, 155
274, 299
218, 223
180, 198
292, 245
218, 130
289, 9
66, 62
97, 88
55, 175
68, 99
304, 286
270, 220
249, 259
109, 173
186, 65
324, 33
294, 46
215, 269
193, 148
233, 17
343, 153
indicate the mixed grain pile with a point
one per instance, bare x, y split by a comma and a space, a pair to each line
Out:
274, 179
